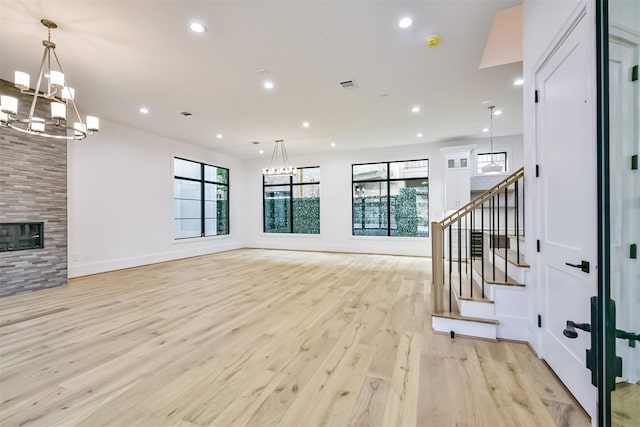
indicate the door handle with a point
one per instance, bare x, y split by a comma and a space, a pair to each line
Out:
624, 335
570, 330
584, 266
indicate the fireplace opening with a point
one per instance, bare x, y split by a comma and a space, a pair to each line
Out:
21, 235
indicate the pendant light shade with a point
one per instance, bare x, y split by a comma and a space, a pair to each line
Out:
491, 167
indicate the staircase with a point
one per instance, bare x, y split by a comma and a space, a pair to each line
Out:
479, 266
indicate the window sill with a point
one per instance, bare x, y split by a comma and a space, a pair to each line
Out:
391, 238
187, 240
297, 235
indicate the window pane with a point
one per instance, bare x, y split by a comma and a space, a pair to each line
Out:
277, 214
215, 174
370, 209
411, 169
277, 179
186, 169
370, 172
410, 208
184, 189
307, 175
222, 210
306, 209
186, 209
187, 228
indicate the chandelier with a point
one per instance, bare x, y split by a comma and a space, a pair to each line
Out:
282, 169
491, 167
58, 92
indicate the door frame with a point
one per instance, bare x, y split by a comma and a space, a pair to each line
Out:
606, 349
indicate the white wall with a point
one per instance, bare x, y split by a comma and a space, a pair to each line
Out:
335, 197
120, 200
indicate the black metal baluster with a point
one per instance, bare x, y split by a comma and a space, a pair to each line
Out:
493, 241
460, 255
473, 213
517, 223
443, 257
524, 210
466, 252
450, 269
482, 244
506, 230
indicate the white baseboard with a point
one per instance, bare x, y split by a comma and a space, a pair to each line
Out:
121, 263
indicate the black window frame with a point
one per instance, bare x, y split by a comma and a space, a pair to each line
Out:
203, 182
388, 180
506, 161
291, 185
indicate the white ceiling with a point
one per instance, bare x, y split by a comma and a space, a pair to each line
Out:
121, 55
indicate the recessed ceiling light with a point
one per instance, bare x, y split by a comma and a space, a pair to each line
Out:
219, 136
485, 102
144, 110
268, 84
485, 130
405, 22
261, 152
333, 144
497, 112
518, 82
197, 27
305, 124
419, 135
415, 109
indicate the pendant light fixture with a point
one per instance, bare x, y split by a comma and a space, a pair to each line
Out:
58, 93
491, 167
283, 168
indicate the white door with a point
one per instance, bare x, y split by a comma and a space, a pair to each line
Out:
566, 155
624, 134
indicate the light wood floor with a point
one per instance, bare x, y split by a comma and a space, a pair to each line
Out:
261, 338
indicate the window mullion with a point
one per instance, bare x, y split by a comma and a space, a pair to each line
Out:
202, 231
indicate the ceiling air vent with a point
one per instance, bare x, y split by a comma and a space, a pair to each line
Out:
185, 113
348, 84
255, 142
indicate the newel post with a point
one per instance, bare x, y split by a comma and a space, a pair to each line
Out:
437, 277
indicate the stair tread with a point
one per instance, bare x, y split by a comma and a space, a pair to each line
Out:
456, 316
499, 277
466, 289
512, 257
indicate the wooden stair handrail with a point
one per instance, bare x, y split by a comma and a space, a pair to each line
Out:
473, 204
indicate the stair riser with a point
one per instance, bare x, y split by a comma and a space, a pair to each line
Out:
464, 327
488, 288
512, 244
482, 310
518, 273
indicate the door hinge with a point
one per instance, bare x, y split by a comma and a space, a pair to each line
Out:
537, 245
537, 171
634, 162
634, 73
539, 321
535, 96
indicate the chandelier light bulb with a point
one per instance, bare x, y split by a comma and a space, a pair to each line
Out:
58, 111
93, 124
37, 125
56, 78
68, 93
9, 104
22, 80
